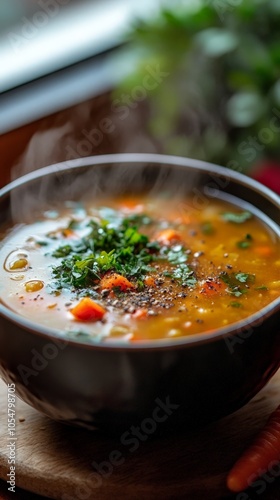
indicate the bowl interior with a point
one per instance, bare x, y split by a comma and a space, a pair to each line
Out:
89, 178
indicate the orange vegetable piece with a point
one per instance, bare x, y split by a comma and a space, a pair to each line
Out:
212, 287
257, 459
68, 233
115, 281
150, 281
130, 204
140, 314
168, 236
88, 310
264, 251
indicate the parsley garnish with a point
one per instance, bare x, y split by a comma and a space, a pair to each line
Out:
207, 228
235, 304
184, 273
73, 224
237, 218
175, 255
245, 277
178, 257
246, 243
63, 251
42, 243
233, 281
83, 336
116, 244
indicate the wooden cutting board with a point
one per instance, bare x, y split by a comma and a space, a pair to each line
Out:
56, 461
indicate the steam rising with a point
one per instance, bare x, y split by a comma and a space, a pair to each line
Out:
90, 183
51, 145
43, 149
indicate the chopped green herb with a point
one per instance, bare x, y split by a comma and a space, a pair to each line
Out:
138, 219
115, 219
73, 224
235, 304
207, 228
86, 292
176, 255
62, 251
243, 244
83, 336
245, 278
42, 243
233, 281
264, 288
185, 274
77, 333
110, 215
237, 292
246, 243
237, 218
119, 248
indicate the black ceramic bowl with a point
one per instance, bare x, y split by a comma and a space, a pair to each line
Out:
190, 381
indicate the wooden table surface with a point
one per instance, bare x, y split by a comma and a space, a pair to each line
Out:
59, 462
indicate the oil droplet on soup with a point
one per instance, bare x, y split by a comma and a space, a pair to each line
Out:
17, 277
16, 261
149, 269
33, 286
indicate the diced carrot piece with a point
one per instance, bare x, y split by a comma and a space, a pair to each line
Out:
63, 233
140, 314
264, 251
211, 287
115, 280
88, 310
130, 204
68, 233
150, 281
168, 236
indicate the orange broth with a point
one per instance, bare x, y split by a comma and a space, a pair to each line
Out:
205, 269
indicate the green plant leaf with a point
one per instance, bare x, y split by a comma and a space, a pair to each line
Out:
245, 108
216, 42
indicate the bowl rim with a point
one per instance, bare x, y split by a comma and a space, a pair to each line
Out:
235, 329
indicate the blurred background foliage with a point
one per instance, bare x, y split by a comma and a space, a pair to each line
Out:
221, 99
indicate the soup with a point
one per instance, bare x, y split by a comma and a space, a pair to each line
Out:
140, 268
